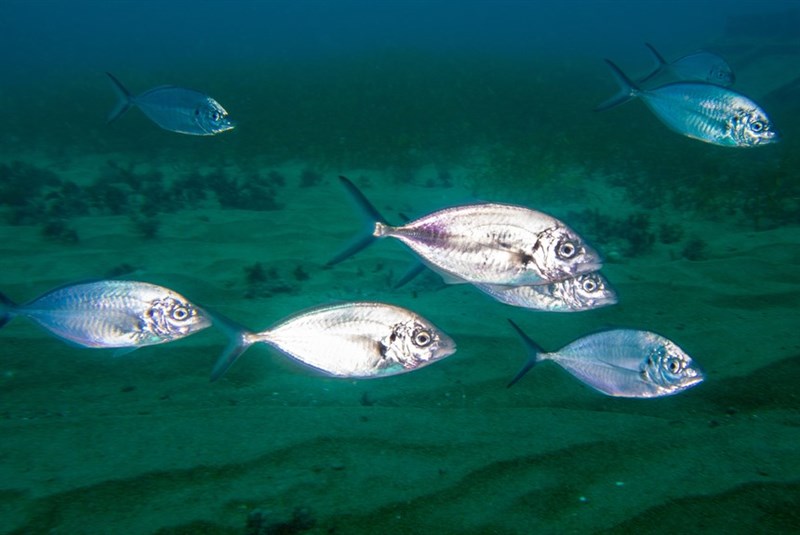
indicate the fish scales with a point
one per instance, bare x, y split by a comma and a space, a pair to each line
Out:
621, 363
355, 340
486, 243
114, 314
584, 292
702, 111
104, 315
344, 340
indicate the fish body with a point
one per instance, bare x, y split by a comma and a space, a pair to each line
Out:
485, 243
113, 314
355, 340
701, 66
701, 111
176, 109
584, 292
622, 363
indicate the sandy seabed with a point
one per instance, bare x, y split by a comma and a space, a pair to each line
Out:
144, 443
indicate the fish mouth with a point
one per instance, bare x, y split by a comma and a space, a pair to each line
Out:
695, 379
608, 300
589, 267
446, 347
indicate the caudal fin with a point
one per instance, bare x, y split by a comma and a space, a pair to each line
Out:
240, 340
6, 306
371, 215
533, 350
660, 67
628, 89
125, 99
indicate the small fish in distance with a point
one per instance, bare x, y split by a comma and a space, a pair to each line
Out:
483, 243
701, 66
622, 362
584, 292
176, 109
111, 314
354, 340
701, 111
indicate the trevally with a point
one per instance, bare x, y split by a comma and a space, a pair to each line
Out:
484, 243
111, 313
355, 340
701, 111
700, 65
584, 292
621, 362
176, 109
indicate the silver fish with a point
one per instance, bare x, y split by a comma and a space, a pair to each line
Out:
584, 292
111, 313
701, 66
622, 363
701, 111
484, 243
356, 340
176, 109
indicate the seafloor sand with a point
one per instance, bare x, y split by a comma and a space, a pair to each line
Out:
143, 443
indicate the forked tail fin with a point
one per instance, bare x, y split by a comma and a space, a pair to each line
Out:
371, 216
124, 99
533, 349
6, 306
661, 66
240, 340
628, 90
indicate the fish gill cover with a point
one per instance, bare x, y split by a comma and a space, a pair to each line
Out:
424, 106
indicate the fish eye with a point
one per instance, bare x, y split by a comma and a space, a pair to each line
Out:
567, 249
422, 338
674, 365
180, 313
215, 116
589, 285
757, 126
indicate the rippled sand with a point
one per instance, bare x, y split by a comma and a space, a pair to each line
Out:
143, 443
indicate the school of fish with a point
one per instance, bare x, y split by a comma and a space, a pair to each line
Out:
516, 255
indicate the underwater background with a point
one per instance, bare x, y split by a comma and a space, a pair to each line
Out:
425, 105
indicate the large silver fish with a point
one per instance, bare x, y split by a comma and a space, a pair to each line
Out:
701, 66
701, 111
176, 109
584, 292
111, 313
484, 243
622, 362
356, 340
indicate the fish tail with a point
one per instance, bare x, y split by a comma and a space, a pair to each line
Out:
628, 90
240, 340
125, 99
6, 307
375, 222
534, 352
409, 275
661, 64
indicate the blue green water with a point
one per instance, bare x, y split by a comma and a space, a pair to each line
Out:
425, 105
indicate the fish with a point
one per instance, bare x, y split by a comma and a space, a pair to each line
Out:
701, 111
111, 314
176, 109
487, 243
584, 292
354, 340
621, 362
701, 66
